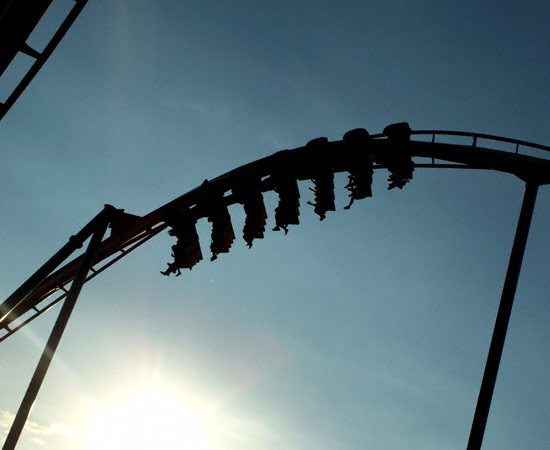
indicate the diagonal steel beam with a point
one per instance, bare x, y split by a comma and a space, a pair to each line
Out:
75, 242
503, 317
55, 336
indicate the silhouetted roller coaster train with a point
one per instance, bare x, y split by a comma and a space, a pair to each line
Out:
358, 153
317, 162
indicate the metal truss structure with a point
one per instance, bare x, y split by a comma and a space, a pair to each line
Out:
17, 21
398, 149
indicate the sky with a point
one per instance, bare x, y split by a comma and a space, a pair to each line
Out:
368, 330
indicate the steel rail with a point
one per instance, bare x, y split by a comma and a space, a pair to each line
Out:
43, 57
302, 162
474, 135
75, 242
490, 137
56, 333
95, 271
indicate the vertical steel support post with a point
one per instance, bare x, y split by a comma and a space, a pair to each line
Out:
55, 336
502, 319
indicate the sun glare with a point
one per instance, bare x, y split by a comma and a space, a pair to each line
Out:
149, 420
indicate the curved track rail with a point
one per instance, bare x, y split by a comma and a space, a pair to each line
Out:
357, 153
303, 163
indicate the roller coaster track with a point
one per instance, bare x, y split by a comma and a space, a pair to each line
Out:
129, 232
397, 149
357, 153
18, 19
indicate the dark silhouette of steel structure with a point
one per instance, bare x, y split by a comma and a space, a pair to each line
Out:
18, 18
357, 153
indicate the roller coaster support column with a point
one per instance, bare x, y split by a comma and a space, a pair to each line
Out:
57, 331
503, 317
75, 242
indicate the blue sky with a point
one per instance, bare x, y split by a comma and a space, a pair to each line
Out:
367, 330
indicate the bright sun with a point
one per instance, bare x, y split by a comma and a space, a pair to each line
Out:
149, 420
